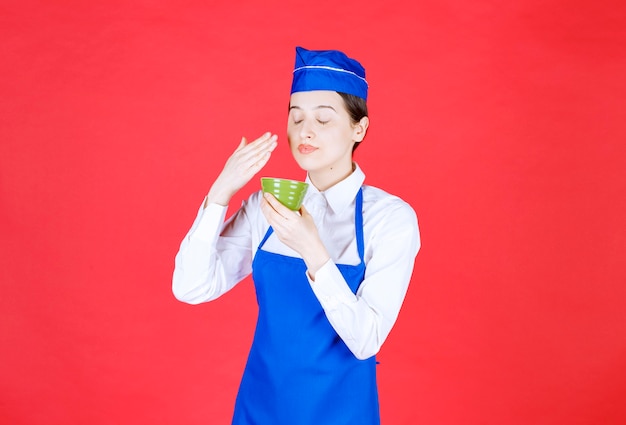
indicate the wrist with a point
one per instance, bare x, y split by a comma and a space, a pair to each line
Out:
315, 260
218, 197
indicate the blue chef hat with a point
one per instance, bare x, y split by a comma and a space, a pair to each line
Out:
328, 70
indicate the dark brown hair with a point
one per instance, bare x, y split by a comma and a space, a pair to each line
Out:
357, 109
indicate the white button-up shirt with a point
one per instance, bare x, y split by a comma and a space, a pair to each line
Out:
216, 254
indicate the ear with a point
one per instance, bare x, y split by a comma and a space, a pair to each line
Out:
360, 129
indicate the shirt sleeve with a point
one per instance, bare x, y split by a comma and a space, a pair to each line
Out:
214, 255
364, 320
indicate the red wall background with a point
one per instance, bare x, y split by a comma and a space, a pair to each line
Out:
502, 123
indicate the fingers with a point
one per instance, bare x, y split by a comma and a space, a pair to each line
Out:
249, 158
271, 215
265, 143
242, 165
277, 206
255, 167
264, 137
272, 205
293, 229
277, 215
242, 144
256, 154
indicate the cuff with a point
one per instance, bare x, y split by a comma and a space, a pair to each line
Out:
210, 221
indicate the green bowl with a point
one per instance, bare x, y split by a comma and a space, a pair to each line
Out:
290, 193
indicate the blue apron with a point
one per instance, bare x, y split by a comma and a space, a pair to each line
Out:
299, 371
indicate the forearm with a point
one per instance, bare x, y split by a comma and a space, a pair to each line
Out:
199, 274
197, 277
365, 319
358, 324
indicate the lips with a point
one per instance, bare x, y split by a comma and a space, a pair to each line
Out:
306, 149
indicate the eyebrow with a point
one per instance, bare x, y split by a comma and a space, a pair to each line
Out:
317, 107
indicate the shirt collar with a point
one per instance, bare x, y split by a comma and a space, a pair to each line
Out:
341, 195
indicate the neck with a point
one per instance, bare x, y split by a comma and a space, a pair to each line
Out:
325, 179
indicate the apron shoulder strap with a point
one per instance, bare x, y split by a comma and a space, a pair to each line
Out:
358, 224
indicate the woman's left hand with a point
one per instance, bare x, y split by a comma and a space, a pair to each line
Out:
297, 231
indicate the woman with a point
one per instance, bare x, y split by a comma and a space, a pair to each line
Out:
330, 279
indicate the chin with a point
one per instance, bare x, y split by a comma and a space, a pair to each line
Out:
301, 160
304, 164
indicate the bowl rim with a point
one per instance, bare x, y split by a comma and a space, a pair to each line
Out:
300, 182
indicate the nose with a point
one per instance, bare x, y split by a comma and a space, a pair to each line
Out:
306, 130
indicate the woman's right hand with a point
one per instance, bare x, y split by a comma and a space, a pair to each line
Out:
243, 164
